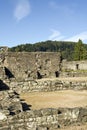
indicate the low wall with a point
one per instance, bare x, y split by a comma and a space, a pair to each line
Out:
45, 85
74, 65
45, 119
78, 73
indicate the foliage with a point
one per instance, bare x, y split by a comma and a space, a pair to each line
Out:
79, 51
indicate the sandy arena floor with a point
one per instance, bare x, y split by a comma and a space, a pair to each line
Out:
66, 98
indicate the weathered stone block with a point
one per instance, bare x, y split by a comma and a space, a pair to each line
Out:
46, 112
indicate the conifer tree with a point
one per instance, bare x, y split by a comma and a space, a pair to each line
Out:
79, 51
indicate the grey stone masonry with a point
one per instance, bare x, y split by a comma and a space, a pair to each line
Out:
45, 85
33, 65
44, 119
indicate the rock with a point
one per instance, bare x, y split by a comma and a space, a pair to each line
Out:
42, 128
2, 116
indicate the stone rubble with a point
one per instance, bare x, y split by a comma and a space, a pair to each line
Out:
18, 75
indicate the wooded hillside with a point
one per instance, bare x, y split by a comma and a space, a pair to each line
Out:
69, 50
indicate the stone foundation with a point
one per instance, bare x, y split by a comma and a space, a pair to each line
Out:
45, 119
15, 115
19, 72
46, 85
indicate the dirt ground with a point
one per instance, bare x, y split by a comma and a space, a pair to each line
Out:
65, 98
67, 78
83, 127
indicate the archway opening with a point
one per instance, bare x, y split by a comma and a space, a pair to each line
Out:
56, 73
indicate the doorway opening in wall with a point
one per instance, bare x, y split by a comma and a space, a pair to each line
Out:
39, 76
56, 73
8, 73
77, 66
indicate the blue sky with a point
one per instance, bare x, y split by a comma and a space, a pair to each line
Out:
30, 21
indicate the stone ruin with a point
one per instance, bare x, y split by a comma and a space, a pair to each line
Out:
19, 72
15, 114
38, 65
32, 65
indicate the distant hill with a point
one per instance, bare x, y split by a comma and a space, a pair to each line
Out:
66, 48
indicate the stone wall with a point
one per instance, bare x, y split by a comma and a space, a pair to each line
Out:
46, 85
37, 65
73, 68
16, 115
31, 65
19, 72
74, 65
45, 119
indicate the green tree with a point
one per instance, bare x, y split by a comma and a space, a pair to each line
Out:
79, 51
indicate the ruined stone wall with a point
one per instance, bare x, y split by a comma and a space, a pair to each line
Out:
31, 65
37, 65
74, 65
46, 85
45, 119
15, 114
18, 71
74, 69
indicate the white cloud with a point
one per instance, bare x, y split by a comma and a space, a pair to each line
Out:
22, 9
82, 36
56, 35
65, 9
